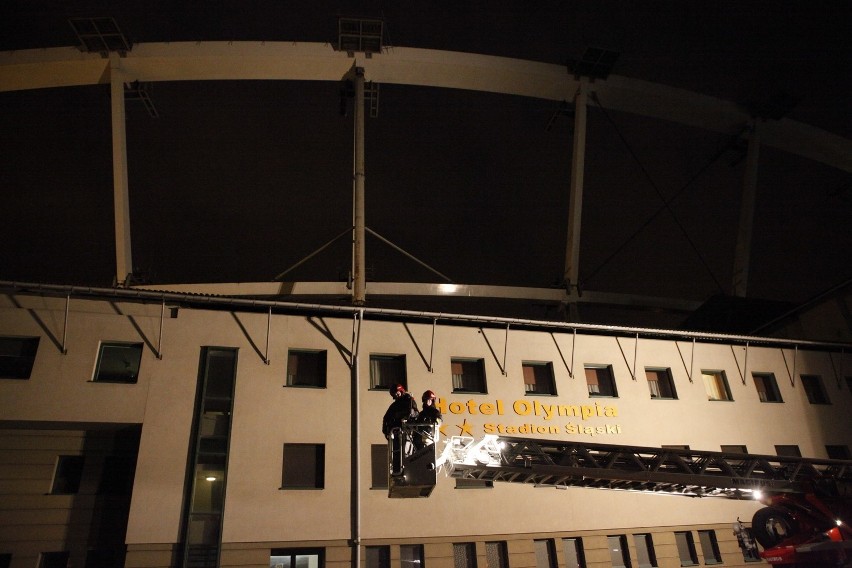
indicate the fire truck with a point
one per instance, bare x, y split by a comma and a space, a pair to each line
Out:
808, 502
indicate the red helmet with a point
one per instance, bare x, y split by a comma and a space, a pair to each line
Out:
396, 388
428, 395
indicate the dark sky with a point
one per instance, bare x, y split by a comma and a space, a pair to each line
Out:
237, 181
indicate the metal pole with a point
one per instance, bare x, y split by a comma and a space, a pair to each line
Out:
358, 250
575, 205
356, 443
65, 324
160, 338
121, 197
743, 246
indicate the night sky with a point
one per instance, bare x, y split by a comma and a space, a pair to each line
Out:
238, 181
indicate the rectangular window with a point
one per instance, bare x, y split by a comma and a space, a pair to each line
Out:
686, 548
67, 476
574, 555
473, 484
379, 462
789, 451
54, 559
5, 559
304, 466
468, 375
675, 446
716, 385
378, 557
117, 475
297, 558
814, 389
600, 381
709, 547
17, 356
411, 556
464, 555
305, 368
386, 370
619, 555
645, 555
734, 449
748, 545
545, 553
660, 383
118, 363
538, 378
496, 554
767, 388
838, 452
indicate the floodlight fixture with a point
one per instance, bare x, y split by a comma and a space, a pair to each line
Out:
596, 63
357, 35
100, 35
137, 91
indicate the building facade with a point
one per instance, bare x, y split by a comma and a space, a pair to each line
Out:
192, 430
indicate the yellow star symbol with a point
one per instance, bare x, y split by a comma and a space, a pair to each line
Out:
443, 430
465, 428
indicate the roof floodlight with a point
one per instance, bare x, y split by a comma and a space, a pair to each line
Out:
100, 35
596, 63
359, 35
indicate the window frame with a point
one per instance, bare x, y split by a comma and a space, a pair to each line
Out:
665, 383
840, 451
319, 553
814, 389
468, 551
769, 391
376, 383
18, 365
379, 462
623, 548
318, 468
50, 559
418, 556
59, 484
721, 379
601, 371
788, 451
645, 541
547, 385
545, 553
320, 381
689, 543
459, 385
713, 543
99, 362
381, 556
499, 549
577, 551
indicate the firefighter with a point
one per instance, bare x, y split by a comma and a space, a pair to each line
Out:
403, 407
431, 418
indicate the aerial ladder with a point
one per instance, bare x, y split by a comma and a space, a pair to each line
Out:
808, 502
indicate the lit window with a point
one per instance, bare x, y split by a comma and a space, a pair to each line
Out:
468, 375
297, 558
545, 553
660, 383
306, 368
716, 385
53, 559
67, 476
496, 554
645, 554
304, 466
686, 548
600, 381
17, 355
838, 452
788, 451
118, 363
814, 389
619, 555
378, 557
411, 555
379, 462
709, 547
464, 555
767, 388
538, 378
574, 555
386, 370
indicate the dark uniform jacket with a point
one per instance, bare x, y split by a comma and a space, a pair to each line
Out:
402, 408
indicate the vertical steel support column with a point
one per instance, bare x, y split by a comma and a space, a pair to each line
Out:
358, 252
355, 503
121, 197
575, 205
743, 248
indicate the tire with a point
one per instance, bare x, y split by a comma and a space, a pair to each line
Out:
772, 526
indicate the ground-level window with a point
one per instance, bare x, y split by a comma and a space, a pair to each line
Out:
17, 356
545, 553
411, 556
297, 558
789, 451
496, 554
67, 475
306, 368
716, 385
538, 377
468, 375
660, 383
464, 555
619, 554
378, 557
600, 381
380, 466
838, 451
387, 370
574, 555
645, 555
767, 387
686, 548
118, 363
709, 547
815, 389
303, 466
54, 559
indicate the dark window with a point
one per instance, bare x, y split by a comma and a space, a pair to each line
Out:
675, 446
750, 553
297, 558
104, 558
473, 484
468, 375
538, 378
386, 370
545, 553
306, 368
734, 449
378, 557
716, 385
69, 472
380, 466
117, 475
17, 355
709, 547
496, 554
838, 452
814, 389
464, 555
600, 381
767, 388
619, 555
118, 363
304, 466
54, 559
5, 559
575, 557
789, 451
686, 548
660, 383
645, 555
411, 556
